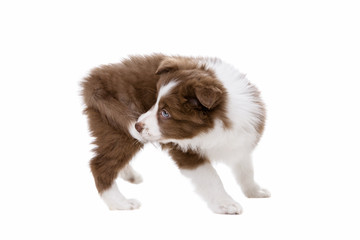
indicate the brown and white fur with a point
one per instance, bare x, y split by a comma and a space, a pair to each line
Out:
200, 110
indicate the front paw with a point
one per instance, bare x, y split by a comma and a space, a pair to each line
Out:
257, 192
226, 207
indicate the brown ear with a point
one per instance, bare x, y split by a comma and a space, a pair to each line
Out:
208, 96
167, 65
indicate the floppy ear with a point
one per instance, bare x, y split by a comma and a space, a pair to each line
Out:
167, 65
208, 96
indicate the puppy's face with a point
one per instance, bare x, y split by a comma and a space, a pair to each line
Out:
189, 98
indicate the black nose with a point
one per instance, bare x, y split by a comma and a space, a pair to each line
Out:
139, 126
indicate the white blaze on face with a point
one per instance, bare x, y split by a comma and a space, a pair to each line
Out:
151, 130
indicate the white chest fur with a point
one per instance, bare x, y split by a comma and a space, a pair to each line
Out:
220, 144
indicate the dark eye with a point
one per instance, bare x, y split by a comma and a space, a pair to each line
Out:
165, 114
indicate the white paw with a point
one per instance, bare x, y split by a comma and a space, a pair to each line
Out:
130, 175
136, 179
226, 207
116, 201
127, 204
257, 193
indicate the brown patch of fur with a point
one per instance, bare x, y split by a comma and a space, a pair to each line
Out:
184, 160
122, 92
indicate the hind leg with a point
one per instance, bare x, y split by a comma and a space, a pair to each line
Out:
115, 148
105, 172
116, 201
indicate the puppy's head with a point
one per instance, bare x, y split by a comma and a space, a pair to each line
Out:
189, 99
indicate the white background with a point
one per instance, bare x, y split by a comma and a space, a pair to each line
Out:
303, 55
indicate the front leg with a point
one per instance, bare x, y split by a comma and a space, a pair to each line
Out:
209, 186
244, 174
206, 180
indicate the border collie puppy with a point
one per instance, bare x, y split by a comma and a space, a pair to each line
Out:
201, 110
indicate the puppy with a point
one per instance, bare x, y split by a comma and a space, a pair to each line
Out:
201, 110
